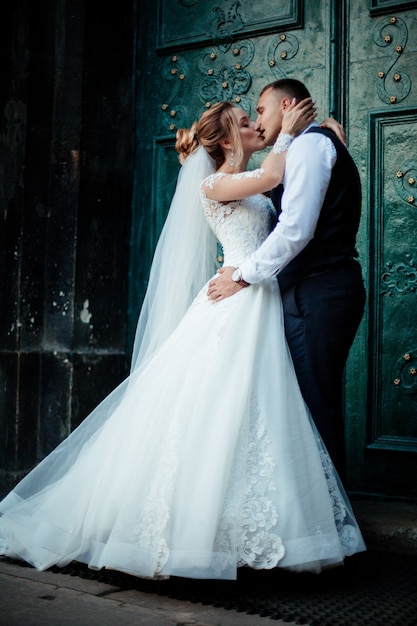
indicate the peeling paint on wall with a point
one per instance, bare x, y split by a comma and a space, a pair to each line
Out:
85, 315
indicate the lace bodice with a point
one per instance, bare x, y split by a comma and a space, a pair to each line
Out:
241, 225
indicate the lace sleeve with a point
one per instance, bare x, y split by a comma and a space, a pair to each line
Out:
251, 174
215, 211
226, 187
210, 180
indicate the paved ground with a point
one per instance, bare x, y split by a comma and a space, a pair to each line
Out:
30, 598
372, 589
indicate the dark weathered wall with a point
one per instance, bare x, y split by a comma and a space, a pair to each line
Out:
66, 155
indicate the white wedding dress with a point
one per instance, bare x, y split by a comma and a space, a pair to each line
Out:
205, 460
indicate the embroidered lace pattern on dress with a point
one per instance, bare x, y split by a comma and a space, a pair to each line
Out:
348, 535
150, 518
251, 174
214, 211
253, 220
250, 516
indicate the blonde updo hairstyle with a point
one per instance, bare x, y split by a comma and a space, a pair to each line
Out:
215, 124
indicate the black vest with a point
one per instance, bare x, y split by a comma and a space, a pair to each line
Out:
335, 235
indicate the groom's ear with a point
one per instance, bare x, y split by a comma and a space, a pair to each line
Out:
285, 102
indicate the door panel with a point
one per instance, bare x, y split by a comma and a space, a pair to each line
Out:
382, 130
200, 22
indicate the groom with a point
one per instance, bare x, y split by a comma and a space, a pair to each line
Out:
312, 249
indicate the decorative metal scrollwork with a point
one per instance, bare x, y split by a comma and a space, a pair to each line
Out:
406, 185
281, 50
225, 76
174, 69
400, 278
393, 87
230, 20
405, 372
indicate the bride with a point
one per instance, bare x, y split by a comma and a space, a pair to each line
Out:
205, 458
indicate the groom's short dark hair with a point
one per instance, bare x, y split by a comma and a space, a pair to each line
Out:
289, 86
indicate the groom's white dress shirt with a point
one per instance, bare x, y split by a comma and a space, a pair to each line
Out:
308, 169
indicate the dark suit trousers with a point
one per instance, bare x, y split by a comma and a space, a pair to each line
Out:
322, 314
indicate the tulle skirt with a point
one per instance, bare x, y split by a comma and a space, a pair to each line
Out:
204, 460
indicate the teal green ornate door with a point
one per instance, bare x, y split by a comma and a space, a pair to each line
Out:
358, 60
381, 388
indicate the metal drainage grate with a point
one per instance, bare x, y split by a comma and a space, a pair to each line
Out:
371, 589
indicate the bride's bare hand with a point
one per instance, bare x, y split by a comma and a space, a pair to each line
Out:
337, 128
298, 116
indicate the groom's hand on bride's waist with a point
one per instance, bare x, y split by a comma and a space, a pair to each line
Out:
225, 285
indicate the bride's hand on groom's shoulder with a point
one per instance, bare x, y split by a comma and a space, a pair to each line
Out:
337, 128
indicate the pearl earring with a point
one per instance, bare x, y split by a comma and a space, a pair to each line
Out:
232, 159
